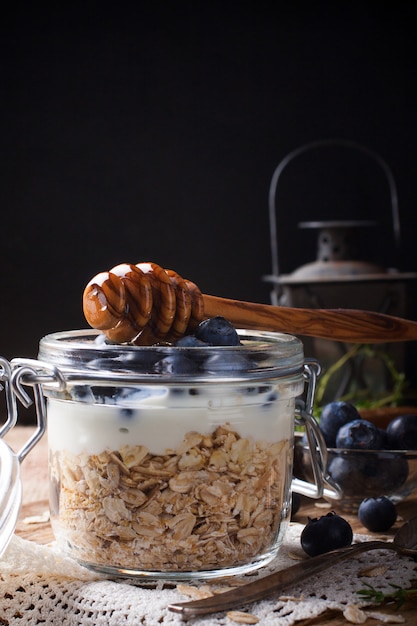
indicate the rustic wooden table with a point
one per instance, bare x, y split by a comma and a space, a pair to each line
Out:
35, 503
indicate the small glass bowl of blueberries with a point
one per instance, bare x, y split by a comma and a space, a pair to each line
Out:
365, 460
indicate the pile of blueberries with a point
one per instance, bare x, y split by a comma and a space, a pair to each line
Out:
343, 428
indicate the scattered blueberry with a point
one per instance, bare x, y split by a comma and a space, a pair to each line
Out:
217, 331
377, 514
335, 415
359, 435
326, 533
402, 433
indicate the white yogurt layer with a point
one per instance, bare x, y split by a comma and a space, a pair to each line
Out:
158, 417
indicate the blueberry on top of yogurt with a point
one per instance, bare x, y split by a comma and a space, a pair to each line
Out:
217, 331
175, 364
190, 341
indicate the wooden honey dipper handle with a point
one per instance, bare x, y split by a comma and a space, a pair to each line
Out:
348, 325
144, 303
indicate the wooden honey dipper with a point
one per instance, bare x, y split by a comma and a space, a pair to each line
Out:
145, 303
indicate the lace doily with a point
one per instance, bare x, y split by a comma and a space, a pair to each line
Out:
38, 585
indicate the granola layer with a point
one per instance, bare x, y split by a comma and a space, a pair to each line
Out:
214, 502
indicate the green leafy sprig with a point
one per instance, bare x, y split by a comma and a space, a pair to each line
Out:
399, 596
361, 397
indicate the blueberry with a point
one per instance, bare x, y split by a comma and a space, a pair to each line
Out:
335, 415
363, 474
127, 396
270, 400
104, 395
349, 473
359, 435
138, 359
255, 390
326, 533
190, 341
217, 331
82, 393
175, 364
401, 433
389, 470
226, 362
377, 514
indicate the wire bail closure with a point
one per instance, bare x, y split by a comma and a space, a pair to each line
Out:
32, 373
323, 485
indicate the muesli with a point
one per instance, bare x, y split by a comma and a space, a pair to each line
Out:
215, 501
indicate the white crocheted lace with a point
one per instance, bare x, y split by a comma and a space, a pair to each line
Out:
38, 585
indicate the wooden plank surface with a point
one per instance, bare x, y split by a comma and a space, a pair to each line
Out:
34, 508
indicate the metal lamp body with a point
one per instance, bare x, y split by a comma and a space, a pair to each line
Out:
340, 278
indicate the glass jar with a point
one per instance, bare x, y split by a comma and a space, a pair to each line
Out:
169, 462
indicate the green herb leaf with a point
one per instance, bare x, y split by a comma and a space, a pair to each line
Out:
399, 596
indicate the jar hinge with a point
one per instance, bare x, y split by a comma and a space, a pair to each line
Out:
32, 373
323, 485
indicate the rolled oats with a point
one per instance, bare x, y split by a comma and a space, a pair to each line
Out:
376, 570
214, 502
354, 614
240, 617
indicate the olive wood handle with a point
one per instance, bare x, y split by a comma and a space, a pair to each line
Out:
349, 325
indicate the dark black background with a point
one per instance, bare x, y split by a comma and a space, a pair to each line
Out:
152, 133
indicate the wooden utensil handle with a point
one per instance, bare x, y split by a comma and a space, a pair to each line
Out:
348, 325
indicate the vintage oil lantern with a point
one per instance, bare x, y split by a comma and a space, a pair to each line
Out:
340, 277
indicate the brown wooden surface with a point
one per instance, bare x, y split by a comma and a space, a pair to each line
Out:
29, 528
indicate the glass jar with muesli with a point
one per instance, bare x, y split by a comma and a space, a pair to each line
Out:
173, 462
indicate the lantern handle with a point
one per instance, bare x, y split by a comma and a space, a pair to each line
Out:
318, 144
